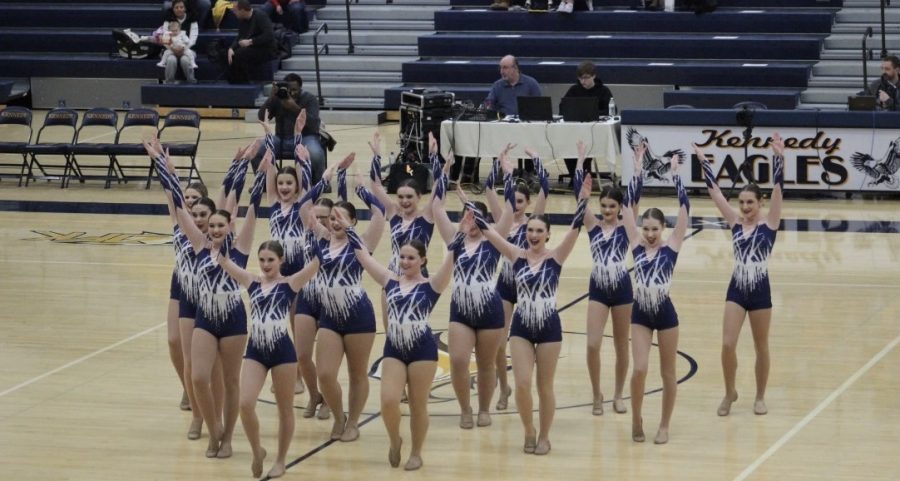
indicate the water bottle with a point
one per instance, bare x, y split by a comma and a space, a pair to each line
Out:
612, 107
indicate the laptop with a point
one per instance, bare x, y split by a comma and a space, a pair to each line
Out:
580, 109
535, 109
861, 102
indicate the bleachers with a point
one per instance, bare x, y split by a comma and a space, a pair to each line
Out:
707, 98
201, 95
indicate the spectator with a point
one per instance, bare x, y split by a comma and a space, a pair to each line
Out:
199, 9
285, 103
589, 86
504, 92
887, 88
178, 53
254, 45
290, 13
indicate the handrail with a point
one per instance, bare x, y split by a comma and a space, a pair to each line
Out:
884, 52
316, 50
350, 48
865, 59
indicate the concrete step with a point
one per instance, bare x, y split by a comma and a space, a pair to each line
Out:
839, 82
309, 76
348, 89
365, 24
365, 37
384, 12
823, 95
863, 15
354, 103
352, 117
859, 28
854, 42
850, 55
351, 63
818, 106
386, 50
846, 67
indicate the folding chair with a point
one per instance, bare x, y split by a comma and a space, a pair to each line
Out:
12, 120
136, 118
182, 119
56, 120
98, 121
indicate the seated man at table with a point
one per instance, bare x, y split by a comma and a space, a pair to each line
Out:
504, 92
588, 85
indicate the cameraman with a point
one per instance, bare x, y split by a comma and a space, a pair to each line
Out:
284, 104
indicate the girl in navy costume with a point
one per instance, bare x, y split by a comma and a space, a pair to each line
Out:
515, 234
609, 288
749, 294
220, 328
410, 350
536, 333
654, 266
347, 318
269, 346
476, 313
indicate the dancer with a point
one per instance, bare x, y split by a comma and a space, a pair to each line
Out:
749, 293
410, 350
536, 333
476, 312
654, 265
609, 288
269, 346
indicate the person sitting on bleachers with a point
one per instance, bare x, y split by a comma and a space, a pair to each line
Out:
177, 53
886, 88
254, 44
199, 9
290, 13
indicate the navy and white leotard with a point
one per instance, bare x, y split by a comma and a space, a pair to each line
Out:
506, 283
308, 300
285, 227
220, 309
610, 283
270, 343
409, 337
652, 279
475, 301
535, 318
418, 229
749, 286
345, 307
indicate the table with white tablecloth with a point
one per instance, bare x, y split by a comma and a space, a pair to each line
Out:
551, 140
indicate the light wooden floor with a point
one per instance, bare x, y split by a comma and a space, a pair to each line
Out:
87, 391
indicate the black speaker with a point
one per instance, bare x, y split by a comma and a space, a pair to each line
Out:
415, 125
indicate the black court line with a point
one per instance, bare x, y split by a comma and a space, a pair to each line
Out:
691, 372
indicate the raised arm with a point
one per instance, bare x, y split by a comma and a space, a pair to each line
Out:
271, 174
242, 276
375, 176
300, 278
590, 219
506, 248
378, 272
244, 240
440, 175
773, 220
441, 278
175, 196
439, 210
684, 209
490, 196
504, 222
715, 193
562, 251
632, 197
541, 203
375, 230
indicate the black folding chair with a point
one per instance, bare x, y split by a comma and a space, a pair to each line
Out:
181, 120
56, 120
14, 123
97, 121
136, 118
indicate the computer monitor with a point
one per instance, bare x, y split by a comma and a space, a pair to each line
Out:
535, 109
580, 109
861, 102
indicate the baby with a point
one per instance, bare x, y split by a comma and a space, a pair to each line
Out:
176, 42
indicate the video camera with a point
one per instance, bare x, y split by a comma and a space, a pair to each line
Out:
281, 90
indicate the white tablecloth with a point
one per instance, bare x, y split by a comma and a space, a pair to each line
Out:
549, 140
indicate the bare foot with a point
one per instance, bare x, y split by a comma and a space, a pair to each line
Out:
212, 449
530, 444
465, 419
484, 419
257, 463
413, 463
299, 388
543, 447
759, 407
324, 411
195, 429
337, 429
224, 450
351, 433
598, 406
314, 401
725, 406
662, 436
277, 470
503, 400
394, 455
619, 406
185, 402
637, 432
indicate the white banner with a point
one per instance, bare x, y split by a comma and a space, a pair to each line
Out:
838, 159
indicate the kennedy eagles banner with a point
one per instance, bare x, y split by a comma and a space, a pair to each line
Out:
837, 159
